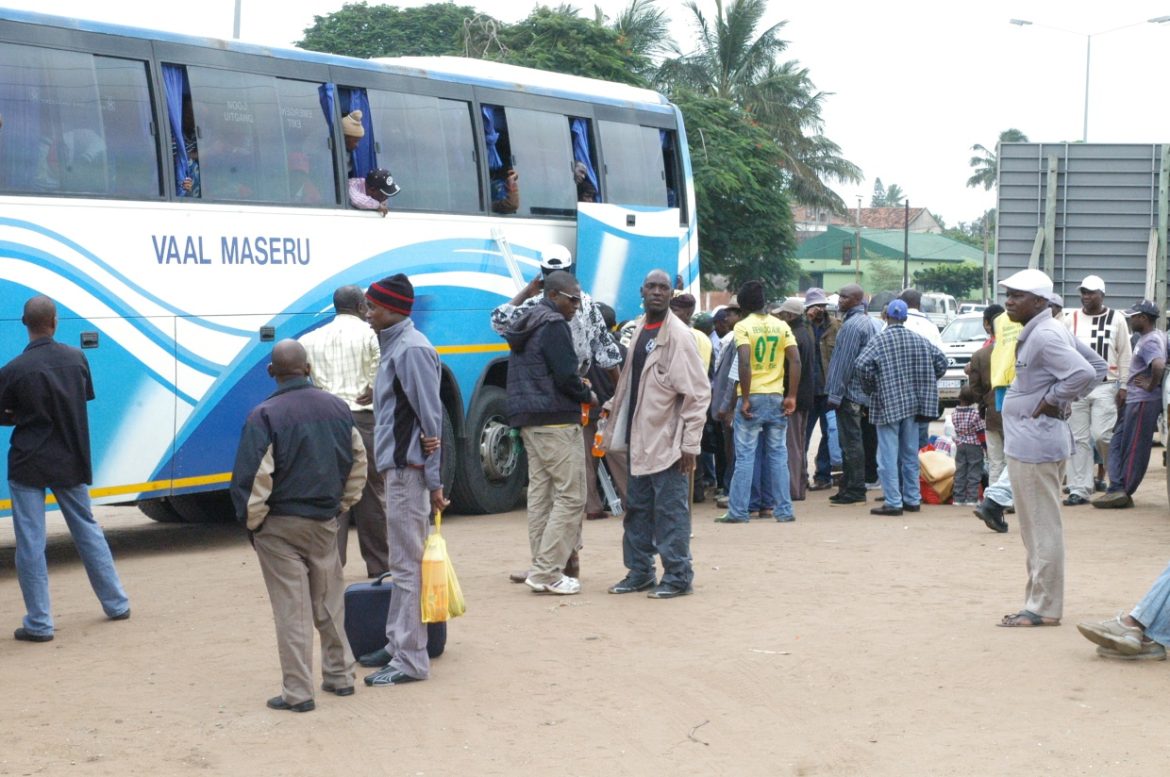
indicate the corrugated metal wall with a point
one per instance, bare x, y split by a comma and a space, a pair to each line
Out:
1106, 205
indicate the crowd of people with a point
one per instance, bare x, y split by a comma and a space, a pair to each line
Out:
666, 408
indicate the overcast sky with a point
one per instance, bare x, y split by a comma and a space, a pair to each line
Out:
913, 84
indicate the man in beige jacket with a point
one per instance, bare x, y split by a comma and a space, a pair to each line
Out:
657, 415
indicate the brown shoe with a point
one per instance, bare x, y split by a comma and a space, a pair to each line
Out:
595, 516
573, 566
518, 577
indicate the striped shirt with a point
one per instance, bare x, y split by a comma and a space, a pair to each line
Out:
343, 355
853, 336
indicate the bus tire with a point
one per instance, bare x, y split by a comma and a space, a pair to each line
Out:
492, 465
160, 510
449, 461
205, 507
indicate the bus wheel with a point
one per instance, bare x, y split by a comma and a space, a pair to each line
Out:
159, 510
205, 507
492, 466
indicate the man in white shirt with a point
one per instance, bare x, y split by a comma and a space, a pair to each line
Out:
1093, 418
916, 320
344, 357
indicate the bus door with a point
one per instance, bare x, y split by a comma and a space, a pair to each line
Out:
618, 245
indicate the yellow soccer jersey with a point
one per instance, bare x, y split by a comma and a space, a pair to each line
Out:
766, 337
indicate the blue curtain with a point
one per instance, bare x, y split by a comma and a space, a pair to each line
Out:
175, 81
491, 116
326, 95
364, 158
580, 130
667, 141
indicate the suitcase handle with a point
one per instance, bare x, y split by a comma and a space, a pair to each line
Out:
381, 577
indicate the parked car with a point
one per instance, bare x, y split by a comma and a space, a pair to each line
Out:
941, 309
972, 307
961, 339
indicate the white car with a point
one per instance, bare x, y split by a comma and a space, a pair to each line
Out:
961, 339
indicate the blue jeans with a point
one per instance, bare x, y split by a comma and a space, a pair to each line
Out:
658, 519
898, 456
767, 419
28, 520
1153, 611
829, 450
1000, 491
761, 498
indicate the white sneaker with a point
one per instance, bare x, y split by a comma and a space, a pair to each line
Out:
1115, 635
535, 586
566, 586
874, 486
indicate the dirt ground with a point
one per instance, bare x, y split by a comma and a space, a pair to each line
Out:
842, 644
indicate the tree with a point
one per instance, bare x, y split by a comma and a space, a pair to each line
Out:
644, 29
985, 163
734, 63
878, 199
955, 280
884, 197
362, 30
881, 274
745, 225
894, 195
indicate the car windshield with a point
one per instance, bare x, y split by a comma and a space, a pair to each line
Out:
963, 329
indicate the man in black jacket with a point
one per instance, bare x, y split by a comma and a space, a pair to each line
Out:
791, 312
301, 461
545, 395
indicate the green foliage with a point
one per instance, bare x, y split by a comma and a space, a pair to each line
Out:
955, 280
561, 41
886, 197
879, 194
363, 30
986, 164
745, 224
882, 274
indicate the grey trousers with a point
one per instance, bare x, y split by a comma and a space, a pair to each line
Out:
408, 513
369, 514
303, 576
968, 472
658, 519
556, 497
1036, 488
797, 461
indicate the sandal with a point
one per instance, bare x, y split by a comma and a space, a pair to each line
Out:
1026, 618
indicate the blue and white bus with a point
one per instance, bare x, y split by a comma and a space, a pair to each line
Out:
177, 291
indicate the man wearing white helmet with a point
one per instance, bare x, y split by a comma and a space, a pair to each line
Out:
1093, 418
1051, 373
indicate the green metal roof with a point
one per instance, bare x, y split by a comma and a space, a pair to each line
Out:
887, 244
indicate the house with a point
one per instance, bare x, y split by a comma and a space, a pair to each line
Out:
812, 221
827, 260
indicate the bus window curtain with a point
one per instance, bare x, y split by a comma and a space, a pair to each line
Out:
326, 94
667, 142
580, 130
490, 136
175, 81
364, 158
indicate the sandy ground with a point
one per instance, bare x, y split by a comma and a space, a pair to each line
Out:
842, 644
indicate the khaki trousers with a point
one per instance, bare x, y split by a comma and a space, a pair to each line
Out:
1091, 422
1036, 491
298, 558
408, 515
556, 497
369, 514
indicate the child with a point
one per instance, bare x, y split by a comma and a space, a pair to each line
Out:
969, 456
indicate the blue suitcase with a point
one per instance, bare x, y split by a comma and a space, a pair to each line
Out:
366, 607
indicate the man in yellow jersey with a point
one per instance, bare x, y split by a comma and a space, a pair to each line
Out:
683, 306
763, 345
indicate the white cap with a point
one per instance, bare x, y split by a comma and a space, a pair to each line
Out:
1093, 283
1031, 281
1056, 299
555, 257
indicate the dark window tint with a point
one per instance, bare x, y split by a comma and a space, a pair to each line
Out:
75, 124
428, 145
634, 172
306, 142
542, 155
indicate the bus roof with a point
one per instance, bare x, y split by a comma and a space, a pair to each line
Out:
475, 72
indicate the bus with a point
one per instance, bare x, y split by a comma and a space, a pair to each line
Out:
184, 201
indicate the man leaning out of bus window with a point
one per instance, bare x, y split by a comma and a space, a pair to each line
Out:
372, 193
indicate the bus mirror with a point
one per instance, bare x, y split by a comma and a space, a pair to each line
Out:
267, 334
89, 339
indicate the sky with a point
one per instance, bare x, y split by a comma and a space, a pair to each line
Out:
913, 85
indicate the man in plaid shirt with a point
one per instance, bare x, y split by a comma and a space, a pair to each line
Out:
900, 371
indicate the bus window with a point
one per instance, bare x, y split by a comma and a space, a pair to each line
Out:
306, 143
634, 173
542, 155
428, 145
75, 124
584, 163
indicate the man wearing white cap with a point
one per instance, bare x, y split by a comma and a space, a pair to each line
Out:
1093, 418
1051, 373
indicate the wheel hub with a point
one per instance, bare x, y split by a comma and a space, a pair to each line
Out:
498, 451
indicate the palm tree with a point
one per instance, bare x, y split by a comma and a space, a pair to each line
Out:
894, 195
644, 27
986, 164
736, 64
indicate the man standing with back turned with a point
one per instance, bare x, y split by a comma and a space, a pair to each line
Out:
657, 415
344, 358
407, 406
43, 392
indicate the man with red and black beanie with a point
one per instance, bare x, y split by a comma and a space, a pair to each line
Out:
406, 408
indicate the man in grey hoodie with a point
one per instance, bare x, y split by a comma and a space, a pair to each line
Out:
545, 395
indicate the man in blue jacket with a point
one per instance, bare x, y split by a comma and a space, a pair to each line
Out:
301, 461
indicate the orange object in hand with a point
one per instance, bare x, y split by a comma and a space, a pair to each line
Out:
597, 450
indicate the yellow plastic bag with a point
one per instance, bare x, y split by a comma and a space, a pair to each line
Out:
441, 597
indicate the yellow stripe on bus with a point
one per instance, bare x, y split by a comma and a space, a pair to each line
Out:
480, 348
138, 488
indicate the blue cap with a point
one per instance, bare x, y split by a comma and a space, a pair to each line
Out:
897, 310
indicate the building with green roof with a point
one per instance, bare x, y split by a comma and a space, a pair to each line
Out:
827, 260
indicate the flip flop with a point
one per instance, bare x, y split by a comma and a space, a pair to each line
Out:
1026, 618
